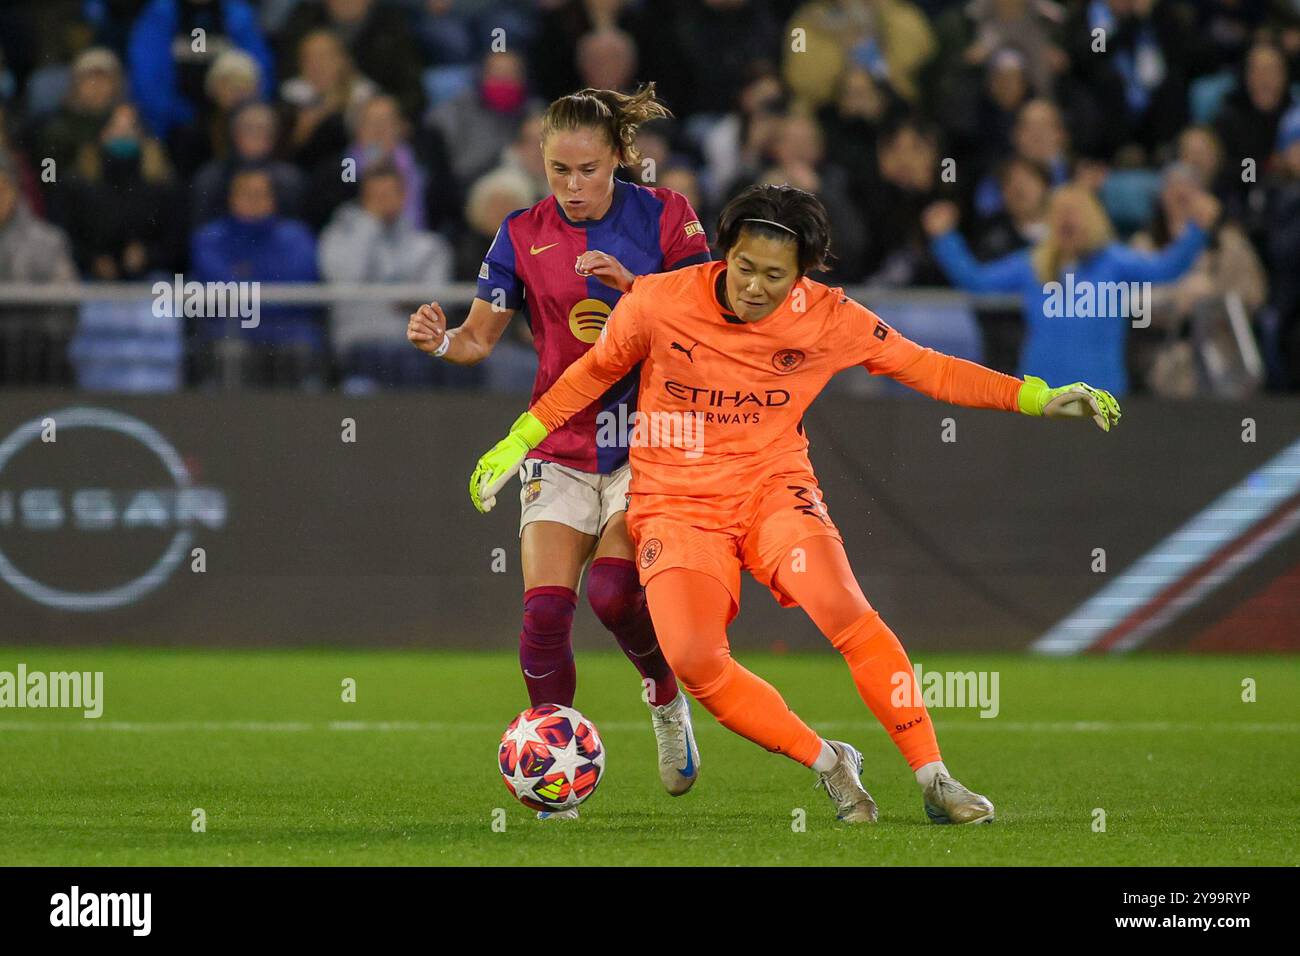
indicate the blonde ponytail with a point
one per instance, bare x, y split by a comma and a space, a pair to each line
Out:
617, 115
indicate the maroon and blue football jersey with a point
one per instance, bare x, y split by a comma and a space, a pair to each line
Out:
531, 267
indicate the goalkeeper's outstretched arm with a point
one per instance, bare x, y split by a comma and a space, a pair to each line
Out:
962, 382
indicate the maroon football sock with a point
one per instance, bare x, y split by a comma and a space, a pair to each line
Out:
546, 647
619, 601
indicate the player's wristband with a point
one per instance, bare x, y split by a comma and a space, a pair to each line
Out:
1032, 396
530, 428
445, 344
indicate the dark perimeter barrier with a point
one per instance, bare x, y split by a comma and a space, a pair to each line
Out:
260, 519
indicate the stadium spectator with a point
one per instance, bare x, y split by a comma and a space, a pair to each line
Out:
1012, 89
1282, 248
254, 132
851, 124
483, 120
555, 61
328, 84
906, 182
706, 53
1077, 259
1040, 136
122, 207
30, 250
455, 33
491, 199
1024, 187
379, 40
28, 181
1248, 122
234, 79
1199, 148
891, 38
652, 142
1229, 265
1224, 30
1019, 223
380, 134
96, 88
799, 159
446, 33
169, 62
33, 340
37, 47
523, 155
374, 240
607, 60
969, 35
734, 145
253, 243
681, 178
1134, 91
979, 126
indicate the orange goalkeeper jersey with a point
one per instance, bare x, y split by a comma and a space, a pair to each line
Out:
721, 401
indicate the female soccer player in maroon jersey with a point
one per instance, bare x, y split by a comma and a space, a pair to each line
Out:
565, 262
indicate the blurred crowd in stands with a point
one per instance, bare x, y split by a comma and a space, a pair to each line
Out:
385, 140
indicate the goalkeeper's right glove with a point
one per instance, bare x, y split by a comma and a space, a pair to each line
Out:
495, 468
1079, 400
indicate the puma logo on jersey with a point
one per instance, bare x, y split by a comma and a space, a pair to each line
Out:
687, 351
535, 250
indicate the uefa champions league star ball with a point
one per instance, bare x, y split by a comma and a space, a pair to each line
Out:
551, 757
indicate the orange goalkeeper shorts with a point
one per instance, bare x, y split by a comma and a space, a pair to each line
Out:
753, 528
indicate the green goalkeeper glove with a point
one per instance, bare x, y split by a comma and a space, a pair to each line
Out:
495, 468
1069, 401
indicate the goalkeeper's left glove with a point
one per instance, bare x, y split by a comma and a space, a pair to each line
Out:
1069, 401
495, 468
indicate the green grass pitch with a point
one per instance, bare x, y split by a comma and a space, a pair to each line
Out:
287, 773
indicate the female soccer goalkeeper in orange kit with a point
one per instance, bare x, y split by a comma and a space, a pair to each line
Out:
733, 353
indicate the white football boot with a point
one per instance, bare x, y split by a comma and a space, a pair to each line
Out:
679, 758
947, 801
569, 813
844, 785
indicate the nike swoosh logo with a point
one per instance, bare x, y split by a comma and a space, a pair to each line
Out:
689, 769
534, 250
538, 676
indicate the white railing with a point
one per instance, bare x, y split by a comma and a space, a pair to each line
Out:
458, 294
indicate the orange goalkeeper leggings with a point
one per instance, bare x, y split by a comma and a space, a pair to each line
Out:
691, 610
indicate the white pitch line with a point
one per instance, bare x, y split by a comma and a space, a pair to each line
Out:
418, 726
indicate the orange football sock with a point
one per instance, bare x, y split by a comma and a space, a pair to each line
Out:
824, 586
690, 610
885, 680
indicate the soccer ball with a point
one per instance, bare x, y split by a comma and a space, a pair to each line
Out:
551, 757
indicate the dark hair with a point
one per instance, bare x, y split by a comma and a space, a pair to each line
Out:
616, 114
801, 216
902, 122
385, 168
1016, 161
240, 170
